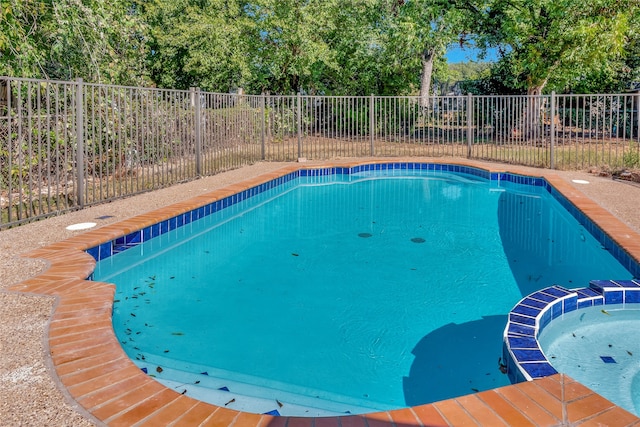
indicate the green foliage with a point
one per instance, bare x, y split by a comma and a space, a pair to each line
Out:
200, 43
631, 157
98, 40
461, 77
359, 47
546, 44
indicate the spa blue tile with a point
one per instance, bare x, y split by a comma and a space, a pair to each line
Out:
527, 311
632, 296
520, 330
179, 221
522, 342
155, 230
585, 303
587, 293
529, 355
556, 310
119, 240
146, 234
598, 301
626, 283
539, 370
186, 218
570, 304
613, 297
533, 303
540, 295
523, 320
545, 319
173, 223
603, 284
135, 237
556, 291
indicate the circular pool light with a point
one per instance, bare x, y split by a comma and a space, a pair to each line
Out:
81, 226
579, 181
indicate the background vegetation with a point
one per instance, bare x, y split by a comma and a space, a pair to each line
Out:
330, 47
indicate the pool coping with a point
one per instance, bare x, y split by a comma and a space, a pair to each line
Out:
95, 372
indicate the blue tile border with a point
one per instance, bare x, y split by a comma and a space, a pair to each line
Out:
521, 352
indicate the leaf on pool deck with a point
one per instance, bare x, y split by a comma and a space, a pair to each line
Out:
279, 403
159, 369
294, 254
605, 312
231, 401
184, 391
629, 353
177, 333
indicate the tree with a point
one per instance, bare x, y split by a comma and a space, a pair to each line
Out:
200, 43
97, 40
367, 59
550, 42
293, 49
424, 29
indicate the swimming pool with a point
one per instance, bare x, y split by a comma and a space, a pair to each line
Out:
513, 204
598, 346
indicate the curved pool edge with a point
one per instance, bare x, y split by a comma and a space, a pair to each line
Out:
95, 371
522, 353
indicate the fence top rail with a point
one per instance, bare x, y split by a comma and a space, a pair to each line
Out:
136, 88
28, 80
409, 97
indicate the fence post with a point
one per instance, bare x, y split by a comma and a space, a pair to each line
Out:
262, 125
299, 124
80, 142
469, 124
552, 160
372, 123
195, 101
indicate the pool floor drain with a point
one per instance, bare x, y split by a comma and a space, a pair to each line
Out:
418, 240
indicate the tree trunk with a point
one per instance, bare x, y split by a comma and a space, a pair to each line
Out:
532, 123
425, 78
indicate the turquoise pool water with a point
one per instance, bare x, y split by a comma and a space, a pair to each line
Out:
599, 347
346, 293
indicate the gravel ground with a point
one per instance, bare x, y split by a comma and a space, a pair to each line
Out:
29, 392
